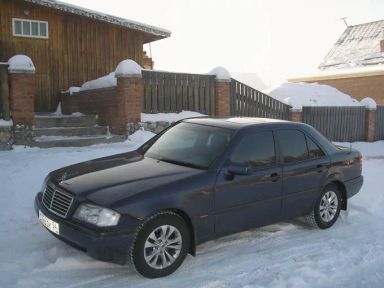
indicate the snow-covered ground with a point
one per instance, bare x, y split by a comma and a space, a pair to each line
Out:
287, 254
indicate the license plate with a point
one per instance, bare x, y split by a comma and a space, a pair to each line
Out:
49, 224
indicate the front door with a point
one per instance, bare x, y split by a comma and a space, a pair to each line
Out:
245, 201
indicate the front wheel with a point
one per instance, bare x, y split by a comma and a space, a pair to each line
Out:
326, 209
161, 245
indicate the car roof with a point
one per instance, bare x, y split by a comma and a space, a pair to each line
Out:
236, 123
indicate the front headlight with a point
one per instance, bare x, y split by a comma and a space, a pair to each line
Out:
97, 215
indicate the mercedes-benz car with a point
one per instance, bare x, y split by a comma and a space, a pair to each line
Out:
198, 180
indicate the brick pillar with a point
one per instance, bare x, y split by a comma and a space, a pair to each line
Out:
296, 115
129, 103
129, 96
22, 91
222, 98
370, 118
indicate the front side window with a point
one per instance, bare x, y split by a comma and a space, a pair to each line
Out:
30, 28
256, 149
190, 144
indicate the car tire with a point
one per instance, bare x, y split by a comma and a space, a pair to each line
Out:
327, 208
160, 245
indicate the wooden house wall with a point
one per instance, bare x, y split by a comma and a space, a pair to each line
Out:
78, 49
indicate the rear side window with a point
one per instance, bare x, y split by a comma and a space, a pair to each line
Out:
293, 146
257, 149
314, 150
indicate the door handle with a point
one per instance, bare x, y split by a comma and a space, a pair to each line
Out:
275, 177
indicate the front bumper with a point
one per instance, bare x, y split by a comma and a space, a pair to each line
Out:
105, 246
353, 186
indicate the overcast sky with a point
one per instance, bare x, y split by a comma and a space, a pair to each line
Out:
276, 39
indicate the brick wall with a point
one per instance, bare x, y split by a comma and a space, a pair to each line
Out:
95, 101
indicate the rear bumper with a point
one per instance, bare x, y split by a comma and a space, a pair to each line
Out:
105, 246
353, 186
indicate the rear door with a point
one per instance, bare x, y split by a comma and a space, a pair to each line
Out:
304, 167
244, 201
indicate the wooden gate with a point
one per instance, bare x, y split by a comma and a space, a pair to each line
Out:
345, 124
174, 92
249, 102
379, 123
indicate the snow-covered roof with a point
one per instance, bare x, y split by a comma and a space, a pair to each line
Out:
358, 46
69, 8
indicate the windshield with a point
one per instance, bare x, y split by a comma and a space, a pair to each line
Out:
190, 145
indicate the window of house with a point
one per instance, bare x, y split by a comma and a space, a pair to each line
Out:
257, 150
30, 28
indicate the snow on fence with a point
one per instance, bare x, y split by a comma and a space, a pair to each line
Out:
249, 102
175, 92
337, 123
379, 123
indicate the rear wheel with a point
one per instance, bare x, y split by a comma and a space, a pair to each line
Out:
326, 209
161, 245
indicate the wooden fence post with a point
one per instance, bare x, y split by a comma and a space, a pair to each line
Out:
370, 118
4, 92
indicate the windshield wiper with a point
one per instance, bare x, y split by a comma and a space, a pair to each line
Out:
181, 163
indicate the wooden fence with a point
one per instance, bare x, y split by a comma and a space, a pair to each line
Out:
379, 123
4, 93
337, 123
249, 102
174, 92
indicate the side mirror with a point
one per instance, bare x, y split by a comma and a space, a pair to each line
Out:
239, 169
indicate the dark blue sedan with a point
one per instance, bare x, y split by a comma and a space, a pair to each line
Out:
200, 179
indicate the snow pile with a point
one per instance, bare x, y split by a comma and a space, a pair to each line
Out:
251, 79
5, 123
169, 117
21, 63
221, 73
369, 103
72, 90
303, 94
140, 136
102, 82
128, 67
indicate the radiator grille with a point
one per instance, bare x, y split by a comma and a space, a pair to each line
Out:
56, 201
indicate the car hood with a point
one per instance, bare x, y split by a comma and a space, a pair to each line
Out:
108, 180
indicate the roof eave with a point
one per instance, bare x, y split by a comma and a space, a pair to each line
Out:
158, 33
